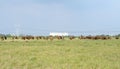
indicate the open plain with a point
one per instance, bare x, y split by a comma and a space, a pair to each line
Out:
60, 54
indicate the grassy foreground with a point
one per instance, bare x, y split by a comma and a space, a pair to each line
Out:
60, 54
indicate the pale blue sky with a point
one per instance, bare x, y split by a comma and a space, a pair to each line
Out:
36, 16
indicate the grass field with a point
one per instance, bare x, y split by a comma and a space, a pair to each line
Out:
60, 54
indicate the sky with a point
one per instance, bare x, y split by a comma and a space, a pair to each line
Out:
41, 16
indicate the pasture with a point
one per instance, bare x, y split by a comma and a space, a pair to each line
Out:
60, 54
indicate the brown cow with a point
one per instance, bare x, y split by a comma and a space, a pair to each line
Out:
71, 37
4, 37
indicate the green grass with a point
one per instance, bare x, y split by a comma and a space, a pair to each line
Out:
60, 54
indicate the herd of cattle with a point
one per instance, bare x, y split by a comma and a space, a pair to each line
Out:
102, 37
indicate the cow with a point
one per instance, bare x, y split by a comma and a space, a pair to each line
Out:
59, 37
3, 37
116, 37
71, 37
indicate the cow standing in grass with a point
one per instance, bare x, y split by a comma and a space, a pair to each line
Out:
3, 38
59, 37
117, 37
38, 37
71, 37
51, 38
